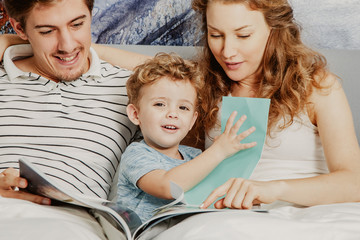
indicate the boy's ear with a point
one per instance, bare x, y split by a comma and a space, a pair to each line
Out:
193, 120
18, 28
132, 113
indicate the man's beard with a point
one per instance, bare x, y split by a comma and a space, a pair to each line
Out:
69, 77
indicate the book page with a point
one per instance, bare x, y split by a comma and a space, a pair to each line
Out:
122, 218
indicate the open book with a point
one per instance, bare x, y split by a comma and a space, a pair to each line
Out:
117, 221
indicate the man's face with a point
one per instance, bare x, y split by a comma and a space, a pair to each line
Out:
60, 35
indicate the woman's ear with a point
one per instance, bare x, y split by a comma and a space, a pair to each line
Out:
132, 113
18, 29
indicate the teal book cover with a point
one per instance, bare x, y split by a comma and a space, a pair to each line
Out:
242, 163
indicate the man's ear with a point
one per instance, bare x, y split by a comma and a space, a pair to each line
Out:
18, 28
132, 113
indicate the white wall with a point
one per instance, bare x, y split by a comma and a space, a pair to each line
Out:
329, 23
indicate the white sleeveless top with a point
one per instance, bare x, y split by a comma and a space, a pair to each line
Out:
294, 152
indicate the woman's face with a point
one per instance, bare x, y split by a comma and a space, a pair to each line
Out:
237, 36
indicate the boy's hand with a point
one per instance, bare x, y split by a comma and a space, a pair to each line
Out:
229, 142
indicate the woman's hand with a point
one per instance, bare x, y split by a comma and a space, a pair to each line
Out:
11, 184
243, 194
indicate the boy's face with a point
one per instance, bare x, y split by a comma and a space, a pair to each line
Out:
166, 112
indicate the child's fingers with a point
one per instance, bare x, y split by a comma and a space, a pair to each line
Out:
238, 124
248, 145
245, 133
230, 121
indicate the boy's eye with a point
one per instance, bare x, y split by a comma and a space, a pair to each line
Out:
184, 108
159, 104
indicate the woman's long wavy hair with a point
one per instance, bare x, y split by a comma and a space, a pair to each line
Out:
287, 75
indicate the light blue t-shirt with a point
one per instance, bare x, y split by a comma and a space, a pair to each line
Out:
138, 160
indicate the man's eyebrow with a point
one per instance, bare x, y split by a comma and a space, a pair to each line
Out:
51, 26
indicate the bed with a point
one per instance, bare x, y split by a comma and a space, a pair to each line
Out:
336, 221
19, 219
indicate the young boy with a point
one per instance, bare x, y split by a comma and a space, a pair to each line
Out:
164, 97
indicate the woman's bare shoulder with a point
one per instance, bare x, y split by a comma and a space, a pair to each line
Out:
326, 84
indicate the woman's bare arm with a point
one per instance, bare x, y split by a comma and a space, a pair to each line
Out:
342, 184
115, 56
7, 40
119, 57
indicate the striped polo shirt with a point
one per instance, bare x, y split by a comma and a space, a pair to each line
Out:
75, 132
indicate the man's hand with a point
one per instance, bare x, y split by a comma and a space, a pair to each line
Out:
11, 184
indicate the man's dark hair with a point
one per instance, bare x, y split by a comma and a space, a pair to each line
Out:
19, 9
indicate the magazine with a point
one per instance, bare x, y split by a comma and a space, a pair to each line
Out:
120, 218
116, 220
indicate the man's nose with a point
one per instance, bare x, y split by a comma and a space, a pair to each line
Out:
66, 42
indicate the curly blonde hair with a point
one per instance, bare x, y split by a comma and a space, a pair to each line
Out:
288, 73
166, 65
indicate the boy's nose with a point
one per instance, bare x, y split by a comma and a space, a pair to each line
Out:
172, 114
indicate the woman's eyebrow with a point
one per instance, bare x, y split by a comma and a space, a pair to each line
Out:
237, 29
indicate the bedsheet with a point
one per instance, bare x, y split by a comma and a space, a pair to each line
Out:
25, 220
21, 219
323, 222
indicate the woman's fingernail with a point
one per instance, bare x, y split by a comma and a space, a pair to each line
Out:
202, 205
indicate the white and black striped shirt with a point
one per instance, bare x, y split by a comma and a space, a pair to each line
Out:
75, 132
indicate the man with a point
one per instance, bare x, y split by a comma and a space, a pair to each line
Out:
60, 106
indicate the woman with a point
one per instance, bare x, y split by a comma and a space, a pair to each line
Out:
253, 49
